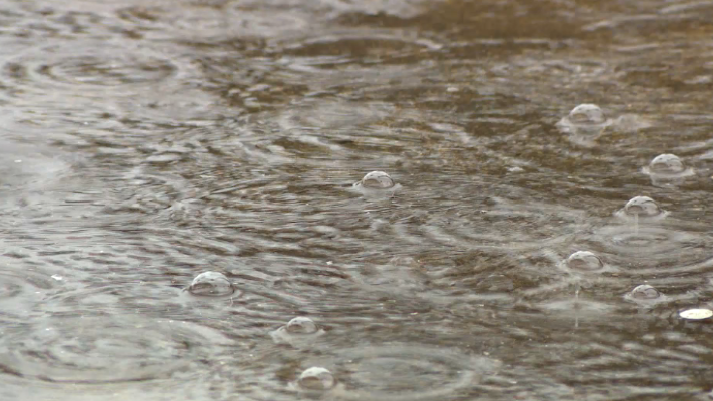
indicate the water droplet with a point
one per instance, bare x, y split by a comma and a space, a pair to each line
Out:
316, 378
696, 314
645, 292
377, 179
301, 325
587, 114
584, 261
666, 163
211, 284
642, 206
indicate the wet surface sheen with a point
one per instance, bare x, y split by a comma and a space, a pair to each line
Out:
356, 200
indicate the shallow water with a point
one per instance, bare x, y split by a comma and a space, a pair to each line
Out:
145, 142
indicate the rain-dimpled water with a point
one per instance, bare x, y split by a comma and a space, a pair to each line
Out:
383, 200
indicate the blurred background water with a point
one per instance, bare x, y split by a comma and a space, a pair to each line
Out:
143, 142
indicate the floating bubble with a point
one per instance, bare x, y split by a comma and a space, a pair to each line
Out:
584, 261
667, 169
696, 314
211, 284
298, 331
666, 163
646, 295
316, 378
587, 114
584, 124
645, 292
301, 325
378, 180
641, 208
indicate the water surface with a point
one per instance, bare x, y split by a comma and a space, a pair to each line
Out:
143, 143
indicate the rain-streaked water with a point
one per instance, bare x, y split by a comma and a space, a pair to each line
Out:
387, 200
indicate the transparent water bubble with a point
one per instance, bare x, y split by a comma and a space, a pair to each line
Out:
642, 206
666, 163
211, 284
587, 114
298, 332
584, 261
645, 292
377, 180
301, 325
646, 295
667, 169
584, 124
316, 378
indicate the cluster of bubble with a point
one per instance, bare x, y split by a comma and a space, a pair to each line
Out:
215, 284
585, 118
588, 120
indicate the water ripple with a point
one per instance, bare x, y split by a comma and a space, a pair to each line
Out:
106, 349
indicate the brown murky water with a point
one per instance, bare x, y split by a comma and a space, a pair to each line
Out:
145, 142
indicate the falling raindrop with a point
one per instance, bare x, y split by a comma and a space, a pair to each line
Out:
316, 378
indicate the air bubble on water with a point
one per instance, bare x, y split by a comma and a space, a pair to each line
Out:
645, 291
211, 284
587, 114
376, 184
666, 163
667, 169
584, 261
641, 208
297, 331
377, 180
301, 325
645, 294
586, 119
316, 378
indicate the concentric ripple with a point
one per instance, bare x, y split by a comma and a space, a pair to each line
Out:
110, 349
89, 70
651, 247
20, 290
396, 372
521, 227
